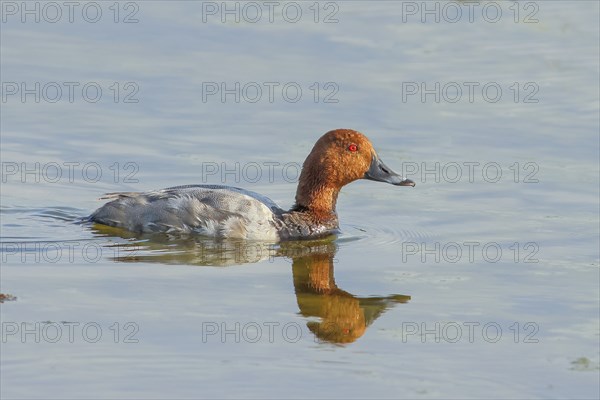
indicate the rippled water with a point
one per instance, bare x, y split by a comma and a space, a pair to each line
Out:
482, 281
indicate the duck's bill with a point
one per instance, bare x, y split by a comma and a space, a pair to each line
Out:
380, 172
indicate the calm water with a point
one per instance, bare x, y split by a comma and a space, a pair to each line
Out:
481, 282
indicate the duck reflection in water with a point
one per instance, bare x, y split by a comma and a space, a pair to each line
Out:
335, 316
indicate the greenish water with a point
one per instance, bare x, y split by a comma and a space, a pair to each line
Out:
480, 282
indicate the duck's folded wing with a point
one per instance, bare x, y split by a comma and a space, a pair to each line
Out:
211, 210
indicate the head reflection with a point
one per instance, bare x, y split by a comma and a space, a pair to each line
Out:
341, 316
335, 316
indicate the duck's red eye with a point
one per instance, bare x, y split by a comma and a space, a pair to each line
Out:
353, 148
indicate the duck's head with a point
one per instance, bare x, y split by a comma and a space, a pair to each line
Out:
339, 157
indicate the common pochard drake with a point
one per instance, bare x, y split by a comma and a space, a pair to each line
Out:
339, 157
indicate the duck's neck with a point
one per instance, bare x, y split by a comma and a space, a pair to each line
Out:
318, 200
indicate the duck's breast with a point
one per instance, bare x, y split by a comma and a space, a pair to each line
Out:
211, 210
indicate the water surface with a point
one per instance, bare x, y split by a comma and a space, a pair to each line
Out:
472, 284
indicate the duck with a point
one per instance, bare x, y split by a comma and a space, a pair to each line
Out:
339, 157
